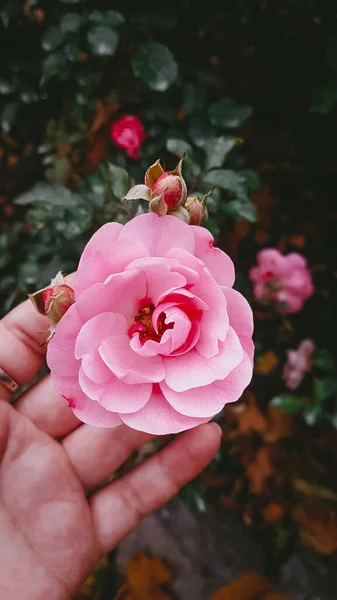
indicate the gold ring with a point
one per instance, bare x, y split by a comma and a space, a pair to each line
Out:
7, 381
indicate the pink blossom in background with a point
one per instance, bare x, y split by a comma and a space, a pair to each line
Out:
283, 281
128, 133
298, 363
157, 338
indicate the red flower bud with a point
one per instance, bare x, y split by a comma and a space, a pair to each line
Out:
171, 188
53, 301
197, 210
170, 185
56, 301
128, 133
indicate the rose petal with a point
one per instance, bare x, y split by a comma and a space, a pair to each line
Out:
115, 395
92, 413
159, 234
215, 260
271, 260
97, 329
120, 295
214, 322
94, 367
102, 264
192, 370
85, 409
160, 281
208, 400
241, 319
101, 240
159, 418
127, 364
61, 348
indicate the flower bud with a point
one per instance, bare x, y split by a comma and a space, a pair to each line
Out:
181, 213
197, 210
158, 206
172, 186
53, 301
56, 301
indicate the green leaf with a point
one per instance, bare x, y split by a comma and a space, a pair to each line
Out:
333, 419
241, 210
216, 150
325, 360
227, 180
28, 95
252, 180
80, 220
54, 64
6, 87
71, 51
177, 147
323, 388
194, 98
289, 403
103, 41
10, 11
199, 131
228, 113
71, 23
46, 193
107, 17
160, 110
312, 414
155, 65
324, 98
119, 181
7, 116
51, 38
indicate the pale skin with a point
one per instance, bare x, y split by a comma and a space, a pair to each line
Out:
52, 531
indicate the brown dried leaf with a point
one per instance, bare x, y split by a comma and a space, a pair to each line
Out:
272, 512
250, 418
260, 470
249, 586
266, 363
144, 577
280, 424
318, 526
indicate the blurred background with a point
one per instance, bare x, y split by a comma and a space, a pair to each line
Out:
249, 93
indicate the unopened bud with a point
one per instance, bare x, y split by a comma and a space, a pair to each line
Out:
53, 301
197, 210
56, 301
172, 187
158, 206
181, 213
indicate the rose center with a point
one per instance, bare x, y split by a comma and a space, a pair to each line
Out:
143, 325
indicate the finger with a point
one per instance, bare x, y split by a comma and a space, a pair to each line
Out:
118, 508
22, 332
96, 453
49, 411
21, 335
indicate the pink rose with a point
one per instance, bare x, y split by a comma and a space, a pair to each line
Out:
298, 363
128, 133
157, 338
283, 281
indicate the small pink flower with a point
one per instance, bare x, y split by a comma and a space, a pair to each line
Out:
283, 281
298, 363
157, 338
128, 133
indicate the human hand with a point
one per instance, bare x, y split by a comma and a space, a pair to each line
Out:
52, 532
